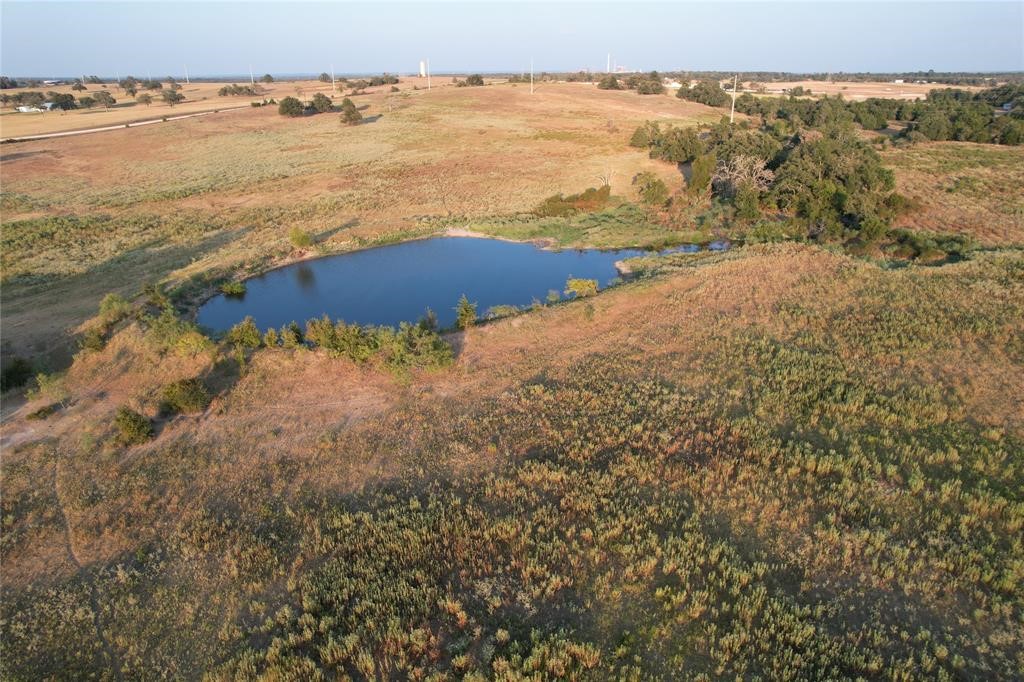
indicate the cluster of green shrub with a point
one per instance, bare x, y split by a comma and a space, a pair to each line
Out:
186, 396
60, 100
363, 83
831, 181
592, 199
408, 346
320, 104
947, 114
473, 80
113, 308
644, 84
707, 92
235, 89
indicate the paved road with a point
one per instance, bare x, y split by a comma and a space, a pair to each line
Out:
122, 126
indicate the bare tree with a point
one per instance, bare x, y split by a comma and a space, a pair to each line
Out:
738, 171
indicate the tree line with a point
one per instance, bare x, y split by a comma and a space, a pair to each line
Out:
828, 182
643, 83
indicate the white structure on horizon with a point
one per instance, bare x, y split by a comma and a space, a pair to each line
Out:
423, 69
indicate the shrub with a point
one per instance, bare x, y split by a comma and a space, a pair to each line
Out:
114, 308
499, 311
93, 339
290, 106
580, 288
16, 374
350, 115
185, 396
245, 334
299, 238
291, 336
650, 87
322, 103
43, 412
132, 427
192, 342
700, 177
233, 289
465, 313
652, 190
645, 135
233, 89
271, 338
589, 200
49, 386
747, 201
705, 92
609, 82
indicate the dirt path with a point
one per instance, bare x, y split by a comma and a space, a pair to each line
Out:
112, 660
121, 126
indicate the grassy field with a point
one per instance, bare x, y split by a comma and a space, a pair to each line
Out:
774, 461
777, 462
106, 212
198, 97
862, 90
967, 188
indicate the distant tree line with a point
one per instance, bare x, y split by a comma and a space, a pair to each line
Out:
644, 84
946, 114
473, 80
235, 89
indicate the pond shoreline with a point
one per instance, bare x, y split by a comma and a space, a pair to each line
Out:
462, 260
190, 309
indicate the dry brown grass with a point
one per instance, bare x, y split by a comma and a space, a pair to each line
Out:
961, 187
181, 198
857, 91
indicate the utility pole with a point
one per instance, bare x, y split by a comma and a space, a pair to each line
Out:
608, 67
252, 78
187, 82
732, 112
531, 75
428, 74
334, 85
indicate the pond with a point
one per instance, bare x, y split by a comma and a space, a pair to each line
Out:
391, 284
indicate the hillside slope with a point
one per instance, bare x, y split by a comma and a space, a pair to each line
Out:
776, 461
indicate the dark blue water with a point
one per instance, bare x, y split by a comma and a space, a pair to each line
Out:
392, 284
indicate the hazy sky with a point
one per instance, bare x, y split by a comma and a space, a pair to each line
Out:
158, 38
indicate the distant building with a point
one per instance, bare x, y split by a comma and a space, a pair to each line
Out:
53, 82
27, 109
898, 81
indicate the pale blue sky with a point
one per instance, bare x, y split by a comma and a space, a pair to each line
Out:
158, 38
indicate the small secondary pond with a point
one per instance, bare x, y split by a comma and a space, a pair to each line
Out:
391, 284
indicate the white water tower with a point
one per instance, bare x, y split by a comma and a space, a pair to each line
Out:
423, 69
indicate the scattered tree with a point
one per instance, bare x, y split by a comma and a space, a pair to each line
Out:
350, 115
172, 97
132, 427
290, 106
105, 99
465, 313
322, 103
